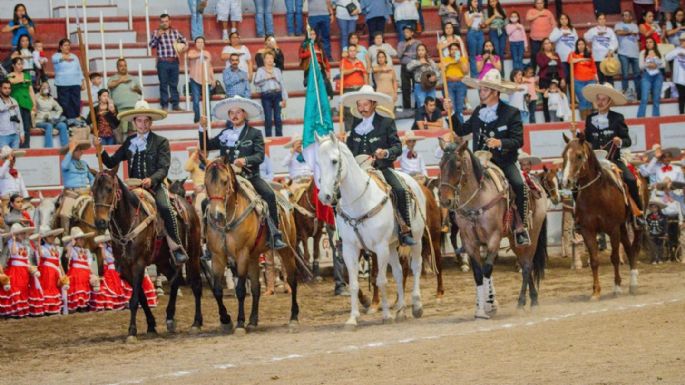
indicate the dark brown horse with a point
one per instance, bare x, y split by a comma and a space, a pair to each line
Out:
308, 226
234, 229
600, 208
135, 246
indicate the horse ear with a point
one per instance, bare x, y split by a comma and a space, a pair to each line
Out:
463, 146
544, 168
317, 137
566, 139
114, 170
333, 137
581, 136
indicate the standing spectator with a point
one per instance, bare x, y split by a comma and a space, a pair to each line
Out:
49, 117
235, 47
519, 99
585, 73
107, 121
319, 18
652, 78
269, 83
474, 37
22, 92
235, 79
378, 45
293, 17
649, 28
406, 51
488, 60
324, 65
550, 68
449, 36
231, 10
541, 25
564, 37
384, 76
346, 13
25, 51
264, 17
603, 41
496, 19
68, 80
12, 183
195, 62
376, 13
125, 92
425, 73
642, 6
668, 7
354, 76
196, 26
456, 66
628, 53
531, 81
518, 41
449, 13
11, 126
167, 40
406, 14
270, 45
675, 27
678, 58
21, 24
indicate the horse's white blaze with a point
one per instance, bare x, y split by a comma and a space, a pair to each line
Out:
566, 173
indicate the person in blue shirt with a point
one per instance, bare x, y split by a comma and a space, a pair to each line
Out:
77, 178
21, 24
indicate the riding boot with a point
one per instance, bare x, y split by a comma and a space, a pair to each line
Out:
171, 227
65, 222
275, 235
521, 236
405, 227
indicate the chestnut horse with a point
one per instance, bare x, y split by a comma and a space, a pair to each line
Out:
135, 246
235, 230
481, 211
308, 226
600, 208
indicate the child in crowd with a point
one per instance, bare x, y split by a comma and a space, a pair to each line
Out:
52, 278
531, 81
557, 102
657, 224
40, 60
95, 85
518, 42
520, 97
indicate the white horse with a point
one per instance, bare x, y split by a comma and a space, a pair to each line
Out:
44, 213
366, 220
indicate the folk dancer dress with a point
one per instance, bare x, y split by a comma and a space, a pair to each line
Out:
112, 288
50, 274
25, 296
80, 290
148, 289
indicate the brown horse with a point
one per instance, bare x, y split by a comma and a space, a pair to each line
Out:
600, 208
235, 229
550, 182
481, 211
308, 226
135, 246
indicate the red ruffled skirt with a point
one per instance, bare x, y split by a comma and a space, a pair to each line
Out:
148, 289
78, 296
49, 280
15, 302
112, 290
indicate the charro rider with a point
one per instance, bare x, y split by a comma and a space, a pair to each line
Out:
243, 146
607, 130
77, 179
148, 156
375, 134
497, 127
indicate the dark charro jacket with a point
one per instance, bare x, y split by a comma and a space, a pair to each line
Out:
152, 163
383, 136
507, 128
599, 138
250, 145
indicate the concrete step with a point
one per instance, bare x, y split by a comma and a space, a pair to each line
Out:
91, 3
91, 11
147, 63
109, 26
111, 37
112, 51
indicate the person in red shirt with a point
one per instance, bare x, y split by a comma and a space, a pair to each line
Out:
354, 76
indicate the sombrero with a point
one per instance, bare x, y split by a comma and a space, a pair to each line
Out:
82, 145
412, 136
252, 109
673, 151
6, 151
17, 228
293, 140
591, 91
657, 203
384, 108
45, 232
76, 233
493, 80
601, 154
106, 237
142, 109
526, 157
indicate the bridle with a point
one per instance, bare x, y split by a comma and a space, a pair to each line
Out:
584, 164
227, 224
122, 238
554, 187
338, 179
450, 155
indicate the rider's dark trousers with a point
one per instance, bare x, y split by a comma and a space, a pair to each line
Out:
631, 182
168, 216
401, 195
513, 175
267, 193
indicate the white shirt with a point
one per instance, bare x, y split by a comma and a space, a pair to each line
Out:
628, 44
601, 44
296, 169
518, 98
10, 185
558, 103
138, 144
655, 168
564, 42
678, 57
414, 165
341, 11
365, 126
266, 172
244, 54
488, 114
229, 136
406, 10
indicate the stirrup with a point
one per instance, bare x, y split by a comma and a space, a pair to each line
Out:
278, 241
180, 256
407, 240
521, 237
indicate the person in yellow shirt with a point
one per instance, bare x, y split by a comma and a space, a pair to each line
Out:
455, 66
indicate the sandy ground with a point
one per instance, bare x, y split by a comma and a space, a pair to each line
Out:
621, 339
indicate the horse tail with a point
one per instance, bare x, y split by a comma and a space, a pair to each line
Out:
540, 257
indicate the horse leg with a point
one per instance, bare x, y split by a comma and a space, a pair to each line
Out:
193, 272
383, 255
416, 263
615, 239
289, 265
255, 289
590, 239
218, 269
316, 252
525, 278
399, 272
149, 317
351, 258
631, 250
137, 286
171, 306
491, 304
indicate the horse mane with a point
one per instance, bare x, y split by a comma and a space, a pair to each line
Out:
592, 160
475, 164
126, 194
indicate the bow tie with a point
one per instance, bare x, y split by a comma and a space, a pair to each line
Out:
411, 155
13, 171
666, 168
487, 115
138, 144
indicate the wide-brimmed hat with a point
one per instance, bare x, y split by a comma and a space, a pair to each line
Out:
410, 135
142, 109
493, 80
252, 109
657, 203
106, 237
6, 151
81, 145
45, 232
76, 233
367, 92
17, 228
601, 154
591, 91
673, 151
293, 141
610, 66
526, 157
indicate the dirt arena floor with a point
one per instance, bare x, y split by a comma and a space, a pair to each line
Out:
620, 339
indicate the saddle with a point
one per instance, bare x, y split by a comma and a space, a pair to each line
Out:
80, 206
261, 208
616, 175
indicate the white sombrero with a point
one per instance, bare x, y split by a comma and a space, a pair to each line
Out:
6, 151
293, 141
252, 109
493, 80
142, 109
106, 237
410, 135
601, 154
526, 157
81, 145
591, 91
673, 151
384, 107
657, 203
76, 233
45, 232
17, 228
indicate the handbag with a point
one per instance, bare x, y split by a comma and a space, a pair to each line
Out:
351, 8
218, 89
201, 5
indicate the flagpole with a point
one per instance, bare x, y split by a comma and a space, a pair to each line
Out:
203, 107
341, 110
444, 82
315, 63
86, 75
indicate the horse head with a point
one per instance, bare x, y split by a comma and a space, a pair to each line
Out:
177, 188
107, 190
220, 184
550, 182
331, 171
577, 156
454, 165
45, 211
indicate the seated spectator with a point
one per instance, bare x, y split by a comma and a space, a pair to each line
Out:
379, 44
244, 56
21, 24
107, 120
270, 45
235, 79
229, 10
11, 181
651, 63
95, 84
125, 92
269, 83
68, 79
196, 73
305, 59
385, 77
11, 126
488, 60
22, 92
428, 117
425, 73
49, 117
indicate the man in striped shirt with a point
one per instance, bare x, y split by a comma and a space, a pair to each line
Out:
164, 40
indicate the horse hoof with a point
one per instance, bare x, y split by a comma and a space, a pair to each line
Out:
633, 289
195, 330
240, 331
227, 328
388, 321
617, 290
152, 332
465, 269
351, 324
417, 312
318, 279
480, 314
594, 298
131, 340
251, 328
400, 316
171, 326
293, 326
371, 310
